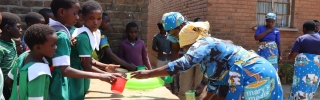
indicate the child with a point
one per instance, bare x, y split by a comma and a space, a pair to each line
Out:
79, 23
66, 13
132, 49
19, 46
47, 14
1, 74
105, 54
32, 72
11, 28
306, 68
30, 19
88, 38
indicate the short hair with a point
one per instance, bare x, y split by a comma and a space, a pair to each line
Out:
56, 4
160, 26
104, 14
45, 12
37, 34
309, 25
197, 19
131, 25
33, 17
90, 6
9, 19
316, 21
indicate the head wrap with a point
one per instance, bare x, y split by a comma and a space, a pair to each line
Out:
271, 16
192, 32
172, 20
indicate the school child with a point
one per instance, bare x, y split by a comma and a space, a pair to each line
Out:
47, 14
31, 72
307, 66
66, 13
269, 40
19, 46
105, 53
132, 49
30, 19
11, 28
88, 38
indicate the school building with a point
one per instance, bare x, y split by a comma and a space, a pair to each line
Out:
237, 20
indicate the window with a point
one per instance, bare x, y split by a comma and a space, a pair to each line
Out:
282, 8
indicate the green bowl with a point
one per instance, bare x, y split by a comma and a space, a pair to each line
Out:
143, 84
142, 67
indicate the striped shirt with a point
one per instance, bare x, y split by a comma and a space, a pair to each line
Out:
8, 55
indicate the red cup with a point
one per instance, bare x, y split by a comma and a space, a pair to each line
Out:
119, 85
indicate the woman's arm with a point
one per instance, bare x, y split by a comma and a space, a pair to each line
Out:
295, 50
292, 55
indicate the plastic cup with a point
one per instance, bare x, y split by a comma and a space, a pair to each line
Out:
168, 79
142, 67
190, 95
119, 85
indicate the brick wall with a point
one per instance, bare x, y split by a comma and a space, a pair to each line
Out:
121, 12
233, 19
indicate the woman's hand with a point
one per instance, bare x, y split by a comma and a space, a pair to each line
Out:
143, 74
200, 89
270, 29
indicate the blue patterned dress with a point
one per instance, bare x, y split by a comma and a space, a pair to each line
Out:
248, 75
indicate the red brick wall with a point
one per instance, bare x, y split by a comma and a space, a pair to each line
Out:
188, 8
233, 19
120, 12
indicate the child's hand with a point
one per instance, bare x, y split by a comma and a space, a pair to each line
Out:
111, 68
121, 75
143, 74
108, 77
73, 41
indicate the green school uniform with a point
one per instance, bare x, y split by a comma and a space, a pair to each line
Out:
31, 81
8, 55
59, 89
86, 43
1, 85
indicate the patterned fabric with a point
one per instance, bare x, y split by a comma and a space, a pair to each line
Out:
192, 32
306, 77
269, 50
97, 55
172, 20
8, 55
248, 75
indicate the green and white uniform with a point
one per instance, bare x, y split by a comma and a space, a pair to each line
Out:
59, 89
31, 81
86, 43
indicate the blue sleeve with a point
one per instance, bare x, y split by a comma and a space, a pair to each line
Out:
258, 31
296, 46
195, 55
277, 36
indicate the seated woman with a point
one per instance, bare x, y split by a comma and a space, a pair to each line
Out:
248, 75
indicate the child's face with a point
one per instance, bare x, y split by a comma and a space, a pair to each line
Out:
133, 33
15, 30
49, 47
80, 22
19, 47
105, 23
70, 16
93, 19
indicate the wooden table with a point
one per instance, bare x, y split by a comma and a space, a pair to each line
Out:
102, 91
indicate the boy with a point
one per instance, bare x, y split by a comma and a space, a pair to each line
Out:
132, 49
161, 45
19, 46
11, 28
47, 14
66, 13
306, 53
30, 19
105, 55
32, 72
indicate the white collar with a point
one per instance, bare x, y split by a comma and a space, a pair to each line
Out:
38, 69
53, 23
93, 36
